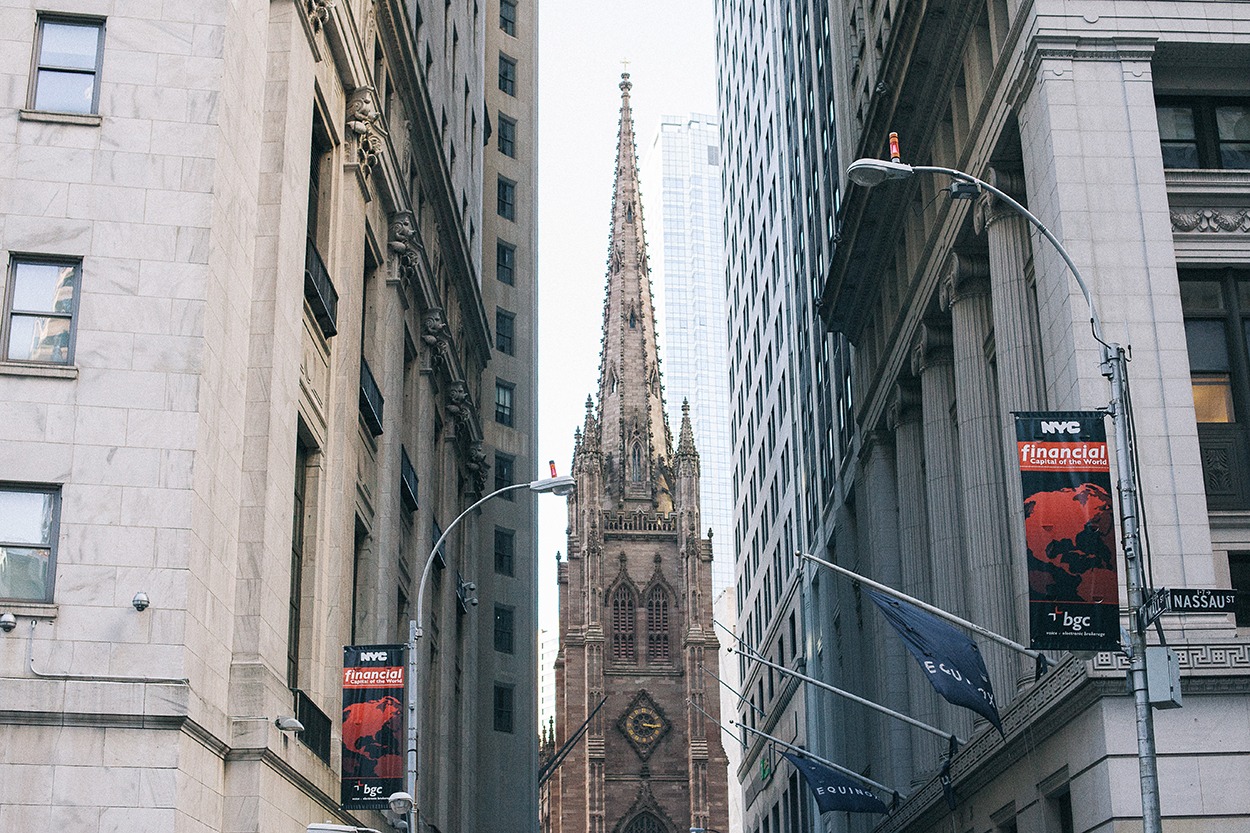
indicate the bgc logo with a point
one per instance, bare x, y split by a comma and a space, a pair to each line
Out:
1051, 427
1073, 624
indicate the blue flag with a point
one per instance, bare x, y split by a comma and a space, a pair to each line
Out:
834, 791
949, 658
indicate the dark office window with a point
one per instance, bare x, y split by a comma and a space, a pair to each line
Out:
503, 708
505, 550
505, 331
503, 472
1216, 304
505, 262
507, 16
503, 402
1239, 572
67, 66
506, 203
302, 454
504, 639
507, 135
1204, 132
507, 74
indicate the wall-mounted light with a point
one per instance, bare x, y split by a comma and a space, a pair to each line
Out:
289, 725
141, 601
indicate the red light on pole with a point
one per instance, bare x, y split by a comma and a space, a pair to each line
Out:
894, 153
552, 464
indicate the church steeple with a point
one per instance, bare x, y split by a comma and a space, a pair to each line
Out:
636, 443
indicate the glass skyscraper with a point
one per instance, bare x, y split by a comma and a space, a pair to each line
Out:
685, 222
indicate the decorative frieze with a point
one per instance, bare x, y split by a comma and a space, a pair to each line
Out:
1212, 220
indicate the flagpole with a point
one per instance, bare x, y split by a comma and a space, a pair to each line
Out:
936, 611
741, 697
850, 773
722, 726
857, 699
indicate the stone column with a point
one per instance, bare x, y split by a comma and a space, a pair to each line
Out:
966, 293
932, 361
1018, 357
913, 543
881, 558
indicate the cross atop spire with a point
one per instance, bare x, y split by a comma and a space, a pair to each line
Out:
635, 438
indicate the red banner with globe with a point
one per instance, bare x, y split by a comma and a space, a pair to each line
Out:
1069, 529
373, 724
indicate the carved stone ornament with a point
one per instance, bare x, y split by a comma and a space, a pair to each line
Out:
318, 12
405, 242
458, 398
434, 327
366, 123
1212, 220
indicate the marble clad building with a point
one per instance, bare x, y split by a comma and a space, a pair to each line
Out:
636, 589
244, 377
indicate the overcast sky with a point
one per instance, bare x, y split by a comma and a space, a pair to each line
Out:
670, 45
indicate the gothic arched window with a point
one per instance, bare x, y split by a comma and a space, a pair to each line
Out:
645, 823
635, 464
624, 643
657, 625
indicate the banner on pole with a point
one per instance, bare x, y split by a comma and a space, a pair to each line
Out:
374, 696
833, 790
949, 658
1069, 528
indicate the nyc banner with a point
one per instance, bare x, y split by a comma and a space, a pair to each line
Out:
1069, 528
373, 725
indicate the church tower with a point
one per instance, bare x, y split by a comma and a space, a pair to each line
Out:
636, 589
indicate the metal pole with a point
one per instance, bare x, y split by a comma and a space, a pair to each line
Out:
1148, 771
1113, 367
936, 611
415, 631
850, 773
855, 698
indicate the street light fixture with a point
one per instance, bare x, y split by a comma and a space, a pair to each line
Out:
560, 485
871, 172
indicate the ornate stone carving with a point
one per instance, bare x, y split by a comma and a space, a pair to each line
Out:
967, 274
990, 208
1212, 220
434, 327
366, 123
318, 12
406, 243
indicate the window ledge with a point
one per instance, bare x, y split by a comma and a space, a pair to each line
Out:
29, 609
47, 371
89, 119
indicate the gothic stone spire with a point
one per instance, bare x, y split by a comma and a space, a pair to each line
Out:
636, 442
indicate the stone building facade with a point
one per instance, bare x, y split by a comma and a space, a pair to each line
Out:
245, 343
1124, 129
636, 589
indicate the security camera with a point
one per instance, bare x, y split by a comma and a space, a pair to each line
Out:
7, 622
141, 601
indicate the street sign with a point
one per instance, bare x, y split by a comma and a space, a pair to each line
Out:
1182, 600
1153, 607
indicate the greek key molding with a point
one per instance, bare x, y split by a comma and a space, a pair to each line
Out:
1195, 658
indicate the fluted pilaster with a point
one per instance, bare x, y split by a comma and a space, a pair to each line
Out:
882, 558
915, 578
1017, 346
966, 292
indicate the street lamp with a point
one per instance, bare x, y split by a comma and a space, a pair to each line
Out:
561, 485
871, 172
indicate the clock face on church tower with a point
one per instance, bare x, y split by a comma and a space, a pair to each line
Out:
643, 724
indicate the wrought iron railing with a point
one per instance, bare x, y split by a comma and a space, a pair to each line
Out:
317, 728
319, 290
407, 480
370, 399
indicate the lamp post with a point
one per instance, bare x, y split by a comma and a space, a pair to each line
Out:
561, 485
871, 172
